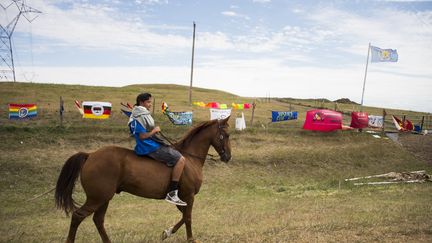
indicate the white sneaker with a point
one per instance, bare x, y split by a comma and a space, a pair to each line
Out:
172, 197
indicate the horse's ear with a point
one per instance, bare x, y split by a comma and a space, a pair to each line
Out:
225, 121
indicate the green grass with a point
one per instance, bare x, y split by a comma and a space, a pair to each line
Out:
283, 184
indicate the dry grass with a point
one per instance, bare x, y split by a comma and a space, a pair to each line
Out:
282, 185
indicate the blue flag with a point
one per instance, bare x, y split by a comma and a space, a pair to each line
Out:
283, 115
383, 55
180, 118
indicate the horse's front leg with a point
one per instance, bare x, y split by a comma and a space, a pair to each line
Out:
170, 231
187, 218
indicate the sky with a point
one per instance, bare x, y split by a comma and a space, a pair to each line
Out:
251, 48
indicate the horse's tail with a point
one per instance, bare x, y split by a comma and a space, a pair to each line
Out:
66, 182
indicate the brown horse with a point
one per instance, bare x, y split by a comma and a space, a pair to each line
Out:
112, 169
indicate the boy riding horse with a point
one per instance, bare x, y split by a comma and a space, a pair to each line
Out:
142, 126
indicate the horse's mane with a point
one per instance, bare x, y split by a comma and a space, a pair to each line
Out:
186, 139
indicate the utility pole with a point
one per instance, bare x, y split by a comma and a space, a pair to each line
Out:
192, 64
6, 48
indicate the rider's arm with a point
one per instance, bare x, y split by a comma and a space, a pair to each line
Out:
145, 135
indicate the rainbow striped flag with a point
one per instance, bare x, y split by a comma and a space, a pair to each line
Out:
22, 111
96, 109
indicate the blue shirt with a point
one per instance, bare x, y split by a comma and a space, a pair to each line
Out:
145, 146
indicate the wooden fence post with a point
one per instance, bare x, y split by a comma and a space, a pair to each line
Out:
253, 111
154, 104
383, 125
61, 109
422, 122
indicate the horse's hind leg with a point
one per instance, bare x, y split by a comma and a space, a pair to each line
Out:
98, 219
78, 216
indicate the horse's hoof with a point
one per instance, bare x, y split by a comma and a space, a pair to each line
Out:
193, 241
166, 233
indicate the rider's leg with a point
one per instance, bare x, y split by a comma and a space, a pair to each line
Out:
178, 169
172, 195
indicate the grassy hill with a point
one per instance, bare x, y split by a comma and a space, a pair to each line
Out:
283, 184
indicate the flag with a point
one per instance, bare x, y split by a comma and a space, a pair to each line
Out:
127, 105
96, 109
180, 118
22, 111
240, 123
402, 126
126, 113
213, 105
219, 113
78, 106
284, 115
164, 107
177, 118
200, 103
223, 106
241, 106
383, 55
375, 121
359, 119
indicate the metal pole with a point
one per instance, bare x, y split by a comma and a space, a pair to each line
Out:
192, 64
364, 81
12, 61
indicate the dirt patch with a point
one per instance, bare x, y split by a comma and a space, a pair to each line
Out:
419, 145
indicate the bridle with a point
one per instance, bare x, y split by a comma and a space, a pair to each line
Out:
222, 152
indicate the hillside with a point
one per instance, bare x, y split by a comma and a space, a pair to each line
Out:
283, 184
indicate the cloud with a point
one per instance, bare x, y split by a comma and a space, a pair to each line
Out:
229, 13
151, 2
234, 14
411, 37
323, 56
100, 27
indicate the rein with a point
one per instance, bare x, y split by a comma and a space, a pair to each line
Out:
184, 152
40, 195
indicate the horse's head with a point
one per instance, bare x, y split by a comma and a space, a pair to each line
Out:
221, 141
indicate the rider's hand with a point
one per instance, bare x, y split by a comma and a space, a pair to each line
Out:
156, 129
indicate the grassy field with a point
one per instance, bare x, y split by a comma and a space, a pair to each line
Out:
283, 184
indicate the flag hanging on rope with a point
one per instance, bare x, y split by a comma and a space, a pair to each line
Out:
375, 121
359, 119
177, 118
284, 115
96, 109
219, 113
22, 111
180, 118
383, 55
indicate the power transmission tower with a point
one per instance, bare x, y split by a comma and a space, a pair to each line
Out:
7, 66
